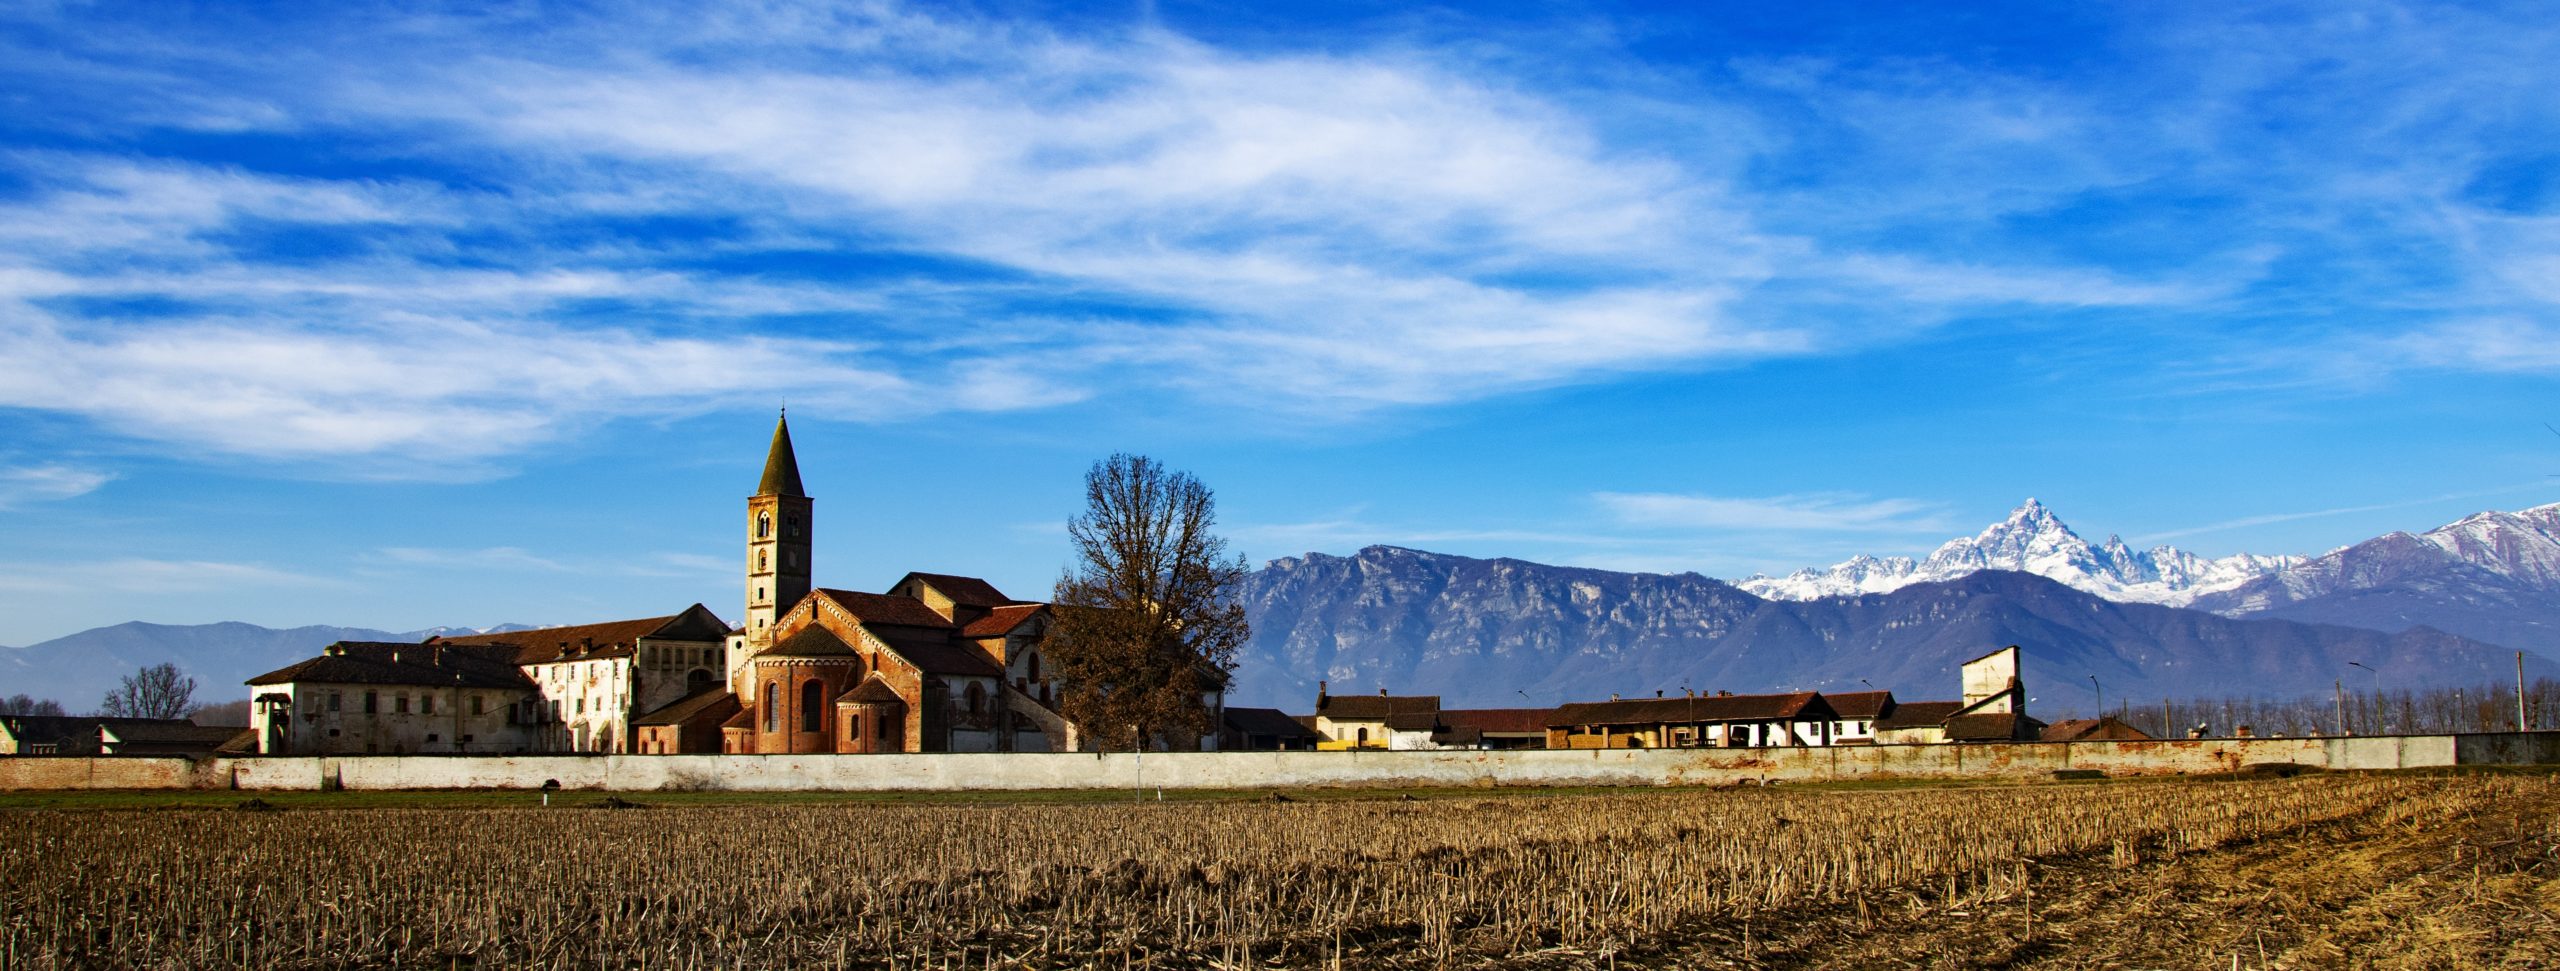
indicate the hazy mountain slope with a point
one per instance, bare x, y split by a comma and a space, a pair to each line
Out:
1484, 632
79, 669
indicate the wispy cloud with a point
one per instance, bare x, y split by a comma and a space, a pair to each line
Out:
513, 559
1819, 512
2286, 517
44, 483
146, 575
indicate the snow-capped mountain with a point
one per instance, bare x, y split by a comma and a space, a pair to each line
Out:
2494, 576
2033, 540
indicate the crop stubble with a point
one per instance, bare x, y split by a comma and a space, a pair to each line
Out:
1564, 880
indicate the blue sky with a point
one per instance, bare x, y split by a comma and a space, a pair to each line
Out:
405, 315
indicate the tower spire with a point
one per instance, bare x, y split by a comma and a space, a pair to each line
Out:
781, 465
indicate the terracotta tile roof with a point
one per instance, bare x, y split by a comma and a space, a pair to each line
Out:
613, 638
936, 653
1002, 620
811, 641
872, 691
713, 702
1266, 721
1993, 727
432, 664
1374, 707
745, 718
168, 738
1860, 705
881, 608
2092, 729
1418, 721
1516, 721
965, 591
1798, 706
1919, 714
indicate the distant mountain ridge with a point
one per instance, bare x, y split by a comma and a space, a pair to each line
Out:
1507, 632
2492, 576
78, 669
2034, 540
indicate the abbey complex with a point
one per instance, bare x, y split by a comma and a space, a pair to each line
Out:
935, 664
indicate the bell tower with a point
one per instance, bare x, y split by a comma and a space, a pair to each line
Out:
778, 529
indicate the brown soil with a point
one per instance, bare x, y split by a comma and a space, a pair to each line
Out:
2481, 890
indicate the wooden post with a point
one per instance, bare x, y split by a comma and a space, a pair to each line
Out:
2340, 686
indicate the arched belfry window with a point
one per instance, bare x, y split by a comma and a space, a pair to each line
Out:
772, 707
760, 561
764, 525
813, 695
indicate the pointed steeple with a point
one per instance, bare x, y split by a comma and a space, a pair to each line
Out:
781, 466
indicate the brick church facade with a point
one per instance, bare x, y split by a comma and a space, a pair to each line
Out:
938, 663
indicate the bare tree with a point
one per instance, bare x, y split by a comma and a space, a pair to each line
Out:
229, 714
158, 691
1147, 617
27, 705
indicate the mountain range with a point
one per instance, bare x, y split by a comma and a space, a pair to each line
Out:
1507, 632
79, 669
2443, 607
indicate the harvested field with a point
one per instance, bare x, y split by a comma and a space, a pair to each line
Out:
2382, 871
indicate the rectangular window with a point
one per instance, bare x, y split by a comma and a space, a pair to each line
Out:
427, 704
475, 706
372, 703
582, 706
400, 704
334, 698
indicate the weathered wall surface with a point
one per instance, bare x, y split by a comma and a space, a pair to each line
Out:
1253, 770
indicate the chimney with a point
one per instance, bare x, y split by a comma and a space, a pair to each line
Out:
1657, 692
1382, 691
1613, 696
2243, 731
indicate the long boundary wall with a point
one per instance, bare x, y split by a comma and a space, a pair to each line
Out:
1263, 770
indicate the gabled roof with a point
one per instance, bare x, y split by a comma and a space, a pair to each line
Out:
1002, 620
167, 738
934, 653
1374, 707
713, 703
1919, 714
881, 608
1860, 705
1515, 721
613, 638
1993, 727
872, 691
965, 591
814, 640
781, 464
73, 734
1414, 721
432, 664
1266, 721
1797, 706
2092, 729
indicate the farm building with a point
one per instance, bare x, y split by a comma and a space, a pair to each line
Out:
1376, 721
2106, 728
82, 735
1264, 730
1800, 718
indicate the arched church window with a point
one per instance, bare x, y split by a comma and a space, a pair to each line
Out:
760, 560
813, 696
764, 525
772, 707
696, 680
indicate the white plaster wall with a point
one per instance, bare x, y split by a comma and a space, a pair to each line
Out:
1249, 770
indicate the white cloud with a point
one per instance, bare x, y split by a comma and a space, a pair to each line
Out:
145, 575
44, 483
1824, 511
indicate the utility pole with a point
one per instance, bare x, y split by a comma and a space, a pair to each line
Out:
2168, 725
2521, 725
2340, 685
